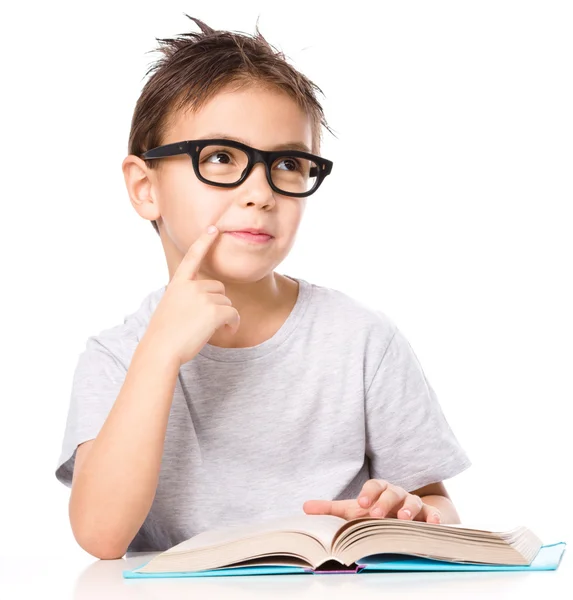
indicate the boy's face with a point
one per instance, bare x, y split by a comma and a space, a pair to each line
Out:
262, 119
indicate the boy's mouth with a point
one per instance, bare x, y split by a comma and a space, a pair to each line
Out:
249, 236
253, 230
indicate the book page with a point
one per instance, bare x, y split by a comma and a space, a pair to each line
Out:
364, 526
486, 527
322, 527
494, 527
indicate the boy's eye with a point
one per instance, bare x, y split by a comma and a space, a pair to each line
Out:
219, 157
291, 164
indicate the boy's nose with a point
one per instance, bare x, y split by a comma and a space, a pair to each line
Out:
256, 187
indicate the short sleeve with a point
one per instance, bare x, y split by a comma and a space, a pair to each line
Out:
97, 381
408, 439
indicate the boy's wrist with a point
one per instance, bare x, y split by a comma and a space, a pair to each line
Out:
153, 345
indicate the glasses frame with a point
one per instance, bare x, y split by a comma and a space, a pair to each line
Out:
193, 149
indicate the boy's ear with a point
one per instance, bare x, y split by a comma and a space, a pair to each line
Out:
140, 187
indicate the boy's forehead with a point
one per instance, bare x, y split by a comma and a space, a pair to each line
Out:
261, 118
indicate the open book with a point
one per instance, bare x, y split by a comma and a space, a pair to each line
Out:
324, 543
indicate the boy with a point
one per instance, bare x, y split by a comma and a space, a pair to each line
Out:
235, 393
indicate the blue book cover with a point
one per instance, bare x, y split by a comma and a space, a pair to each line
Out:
547, 559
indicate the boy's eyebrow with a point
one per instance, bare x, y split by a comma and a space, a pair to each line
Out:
288, 146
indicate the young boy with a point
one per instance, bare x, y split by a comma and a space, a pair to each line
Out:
235, 393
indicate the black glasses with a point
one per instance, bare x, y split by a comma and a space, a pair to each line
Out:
227, 163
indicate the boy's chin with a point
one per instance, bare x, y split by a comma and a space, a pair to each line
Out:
239, 269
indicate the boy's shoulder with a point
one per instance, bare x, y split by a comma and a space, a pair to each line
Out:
346, 311
121, 339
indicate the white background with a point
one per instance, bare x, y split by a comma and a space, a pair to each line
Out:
449, 208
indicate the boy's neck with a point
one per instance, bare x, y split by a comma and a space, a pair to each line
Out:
263, 307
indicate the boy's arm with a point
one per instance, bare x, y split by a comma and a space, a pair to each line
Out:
114, 487
116, 474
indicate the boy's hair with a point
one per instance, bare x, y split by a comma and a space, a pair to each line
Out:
196, 66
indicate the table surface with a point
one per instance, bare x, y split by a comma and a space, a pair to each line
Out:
83, 577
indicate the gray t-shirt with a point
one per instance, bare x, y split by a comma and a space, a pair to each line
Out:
335, 397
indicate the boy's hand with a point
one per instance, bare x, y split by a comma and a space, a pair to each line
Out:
392, 500
191, 309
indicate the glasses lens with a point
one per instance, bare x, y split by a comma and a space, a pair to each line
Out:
222, 164
225, 164
294, 174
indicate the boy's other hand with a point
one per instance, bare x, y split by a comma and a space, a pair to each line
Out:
391, 500
191, 309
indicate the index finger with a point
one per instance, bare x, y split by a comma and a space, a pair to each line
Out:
189, 265
347, 509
